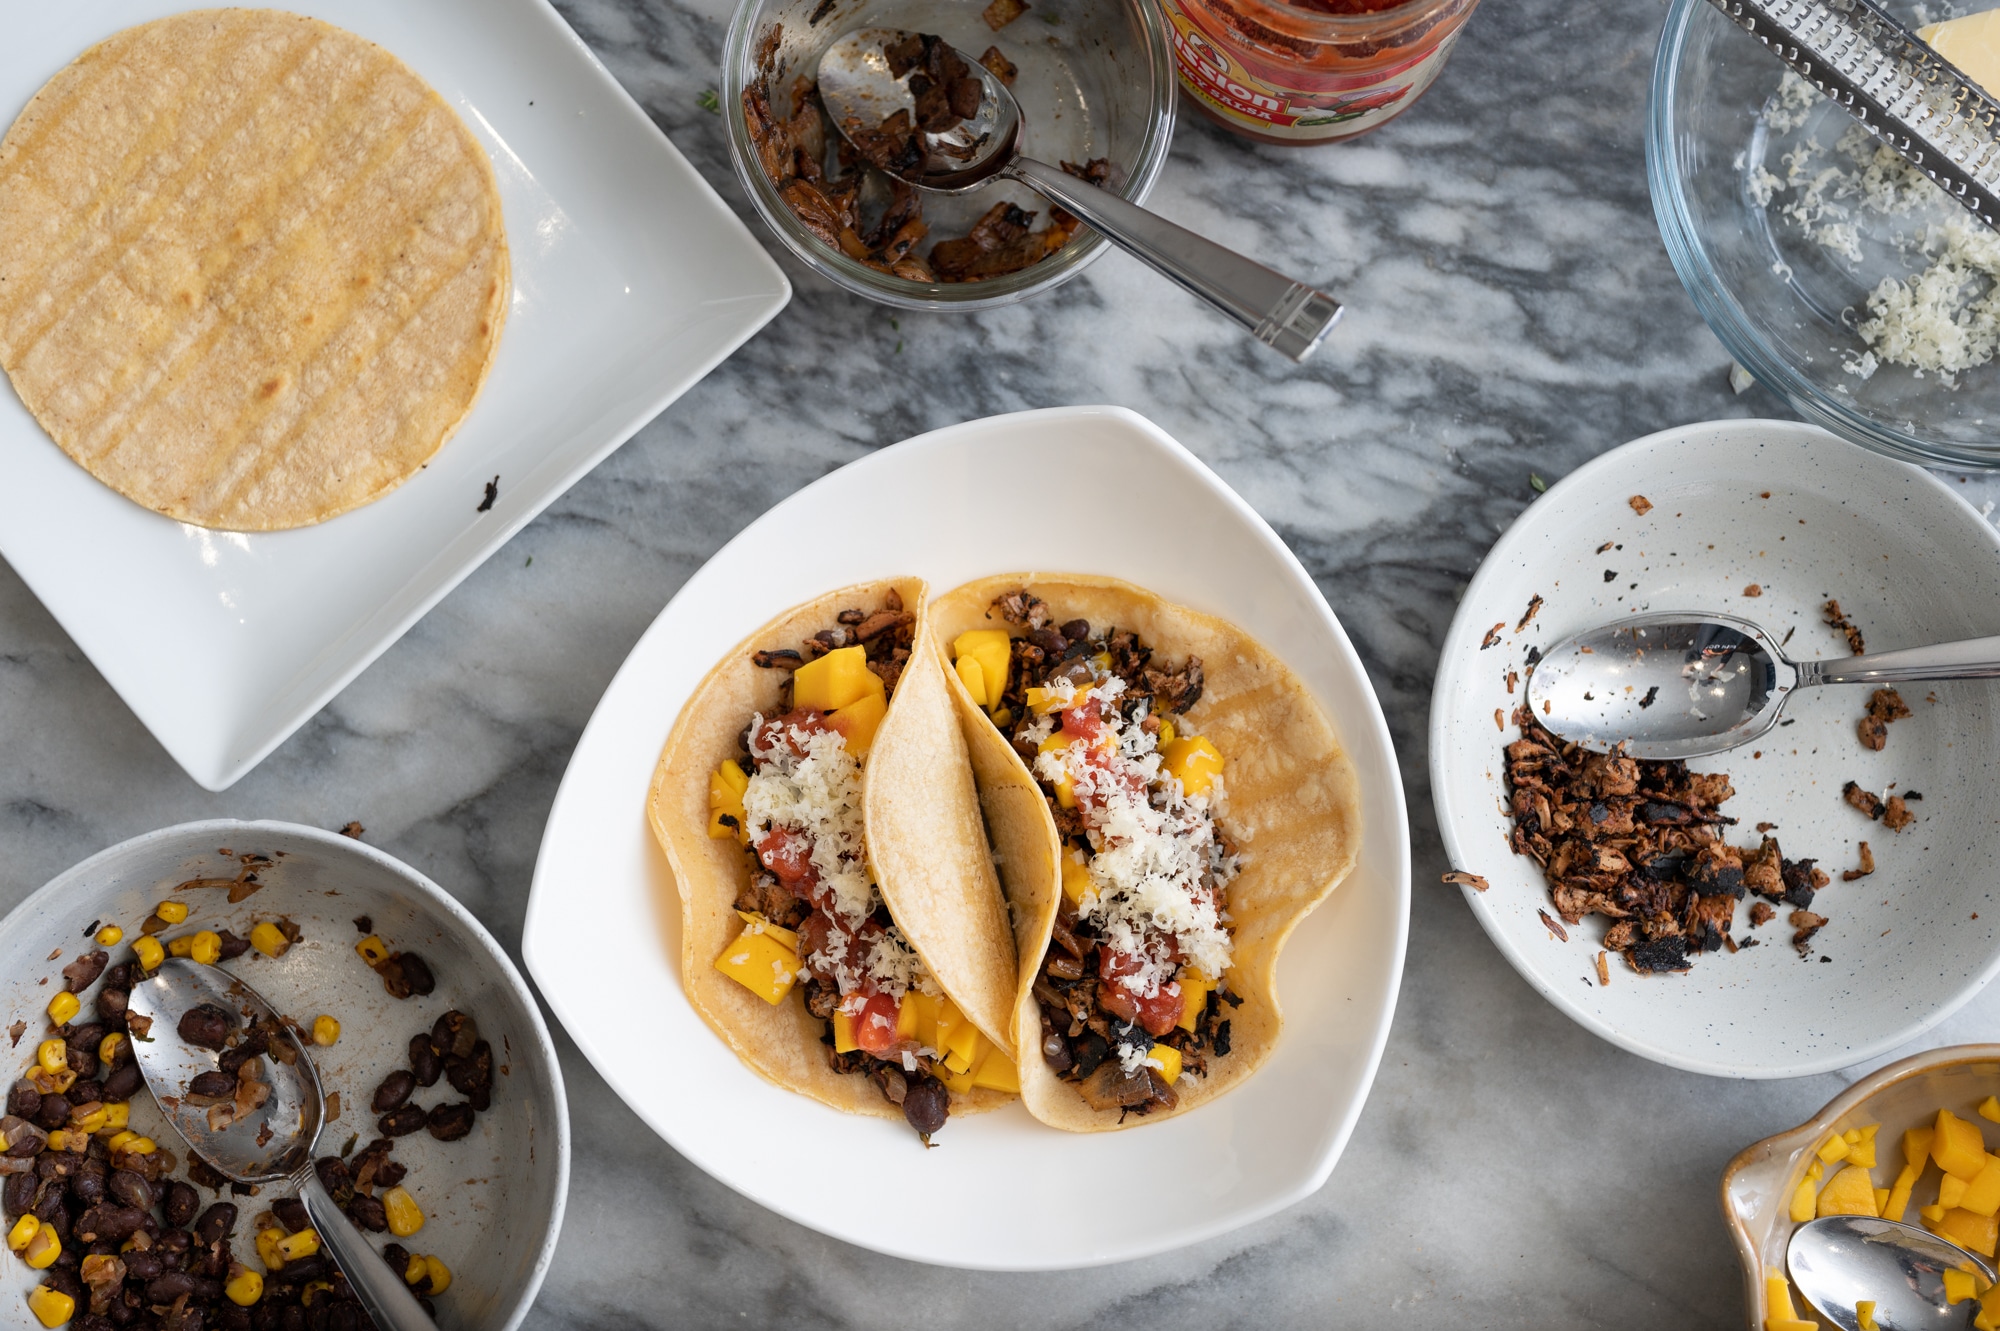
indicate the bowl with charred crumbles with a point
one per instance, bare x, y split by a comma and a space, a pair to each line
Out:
1773, 1186
1096, 84
446, 1134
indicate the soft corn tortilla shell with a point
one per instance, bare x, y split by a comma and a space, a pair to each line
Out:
252, 268
922, 821
1293, 809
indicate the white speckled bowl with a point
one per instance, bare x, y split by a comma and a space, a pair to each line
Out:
1912, 563
1761, 1180
493, 1201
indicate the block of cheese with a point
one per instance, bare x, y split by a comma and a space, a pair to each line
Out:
1972, 43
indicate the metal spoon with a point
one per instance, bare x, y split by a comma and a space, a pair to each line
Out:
1685, 685
1838, 1260
271, 1144
858, 92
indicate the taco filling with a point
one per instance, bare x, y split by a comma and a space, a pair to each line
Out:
813, 916
1131, 988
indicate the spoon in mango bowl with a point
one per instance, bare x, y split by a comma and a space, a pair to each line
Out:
1841, 1261
1681, 685
240, 1088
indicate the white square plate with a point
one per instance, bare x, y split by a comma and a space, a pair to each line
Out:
631, 281
604, 902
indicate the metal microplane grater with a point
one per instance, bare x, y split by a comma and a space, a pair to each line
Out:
1890, 80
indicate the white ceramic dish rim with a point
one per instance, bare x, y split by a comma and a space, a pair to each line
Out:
350, 648
1472, 608
1358, 732
48, 899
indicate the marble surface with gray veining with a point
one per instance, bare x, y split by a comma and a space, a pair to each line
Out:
1511, 313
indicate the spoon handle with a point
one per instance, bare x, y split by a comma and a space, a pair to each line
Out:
1974, 658
1289, 316
382, 1291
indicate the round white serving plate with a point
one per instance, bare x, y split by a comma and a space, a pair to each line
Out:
493, 1201
1132, 504
1805, 517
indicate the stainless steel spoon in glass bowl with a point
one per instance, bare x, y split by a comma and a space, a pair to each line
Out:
859, 93
1839, 1260
1686, 685
268, 1143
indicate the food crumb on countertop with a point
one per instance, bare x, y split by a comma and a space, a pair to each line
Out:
1884, 706
1838, 619
1640, 505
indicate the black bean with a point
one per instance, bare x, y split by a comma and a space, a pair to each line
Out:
368, 1213
926, 1104
123, 1083
106, 1221
80, 974
64, 1280
417, 974
471, 1075
87, 1185
18, 1195
232, 946
229, 1317
212, 1085
302, 1269
394, 1090
454, 1034
397, 1256
175, 1243
425, 1062
131, 1189
24, 1139
142, 1264
450, 1122
54, 1112
216, 1223
402, 1122
48, 1199
291, 1213
23, 1100
389, 1173
180, 1204
200, 1171
165, 1289
1076, 629
206, 1026
255, 1041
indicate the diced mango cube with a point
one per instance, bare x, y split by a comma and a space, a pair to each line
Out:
1951, 1191
1043, 701
962, 1047
1805, 1202
993, 652
1169, 1059
1065, 792
1989, 1109
1917, 1146
1931, 1215
843, 1033
1834, 1150
1989, 1309
958, 1083
1957, 1146
946, 1021
922, 1014
1974, 1233
1850, 1192
859, 721
907, 1013
833, 681
726, 819
973, 676
1881, 1199
1899, 1195
1076, 882
761, 964
1778, 1299
1195, 988
1861, 1145
1194, 761
756, 923
1816, 1170
997, 1073
1958, 1287
1864, 1315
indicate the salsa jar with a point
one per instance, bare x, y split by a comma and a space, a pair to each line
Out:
1310, 71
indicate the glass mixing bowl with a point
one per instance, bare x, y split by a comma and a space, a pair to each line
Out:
1784, 305
1096, 80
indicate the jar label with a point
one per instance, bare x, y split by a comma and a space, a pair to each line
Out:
1306, 105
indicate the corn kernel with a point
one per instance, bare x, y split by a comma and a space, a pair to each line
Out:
51, 1307
89, 1119
302, 1244
269, 939
117, 1141
116, 1116
206, 948
173, 912
52, 1055
63, 1007
440, 1275
180, 947
1864, 1315
415, 1270
313, 1289
325, 1030
245, 1286
137, 1146
52, 1083
149, 952
111, 1047
373, 950
405, 1216
110, 936
42, 1249
58, 1140
267, 1249
23, 1230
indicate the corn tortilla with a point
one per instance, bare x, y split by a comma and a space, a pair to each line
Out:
1293, 809
921, 816
253, 269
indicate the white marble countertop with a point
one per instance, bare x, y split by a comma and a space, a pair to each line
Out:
1511, 312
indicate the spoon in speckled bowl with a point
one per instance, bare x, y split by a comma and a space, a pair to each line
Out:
197, 1012
860, 92
1686, 685
1839, 1260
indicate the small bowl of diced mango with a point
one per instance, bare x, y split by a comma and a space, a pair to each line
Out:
1910, 1143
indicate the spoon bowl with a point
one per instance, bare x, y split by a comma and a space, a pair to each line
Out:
1837, 1261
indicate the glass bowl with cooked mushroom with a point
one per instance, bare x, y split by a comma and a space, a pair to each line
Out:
1095, 80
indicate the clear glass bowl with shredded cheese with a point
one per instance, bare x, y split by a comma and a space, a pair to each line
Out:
1834, 273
